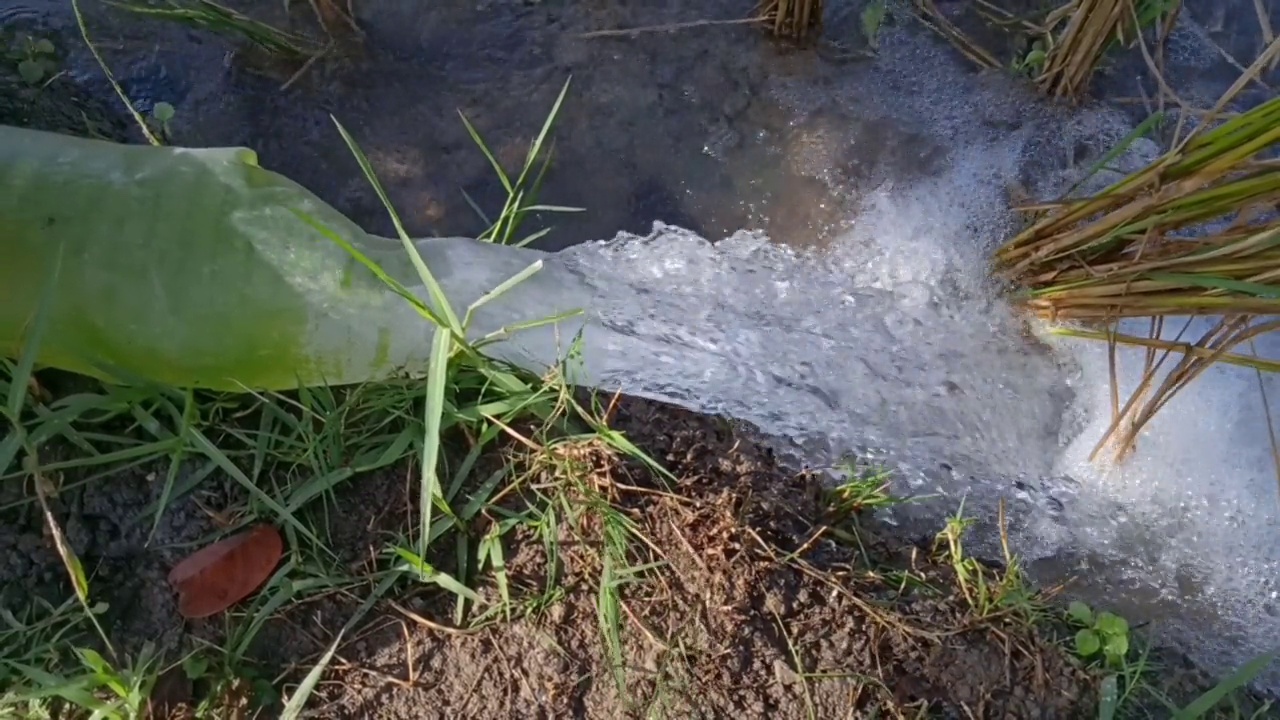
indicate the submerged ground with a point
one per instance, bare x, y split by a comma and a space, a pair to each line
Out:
734, 587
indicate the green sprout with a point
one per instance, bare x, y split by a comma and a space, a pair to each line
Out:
1101, 633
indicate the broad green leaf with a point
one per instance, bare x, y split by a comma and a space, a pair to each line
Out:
1080, 613
31, 71
1087, 643
1117, 646
163, 112
1112, 624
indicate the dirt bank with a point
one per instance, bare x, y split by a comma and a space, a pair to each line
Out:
742, 589
730, 588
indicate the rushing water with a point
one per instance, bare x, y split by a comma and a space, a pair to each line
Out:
854, 313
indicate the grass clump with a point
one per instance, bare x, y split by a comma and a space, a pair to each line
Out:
1193, 234
1092, 28
1059, 48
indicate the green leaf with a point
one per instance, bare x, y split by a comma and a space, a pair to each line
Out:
1117, 646
1241, 287
1112, 625
94, 661
1206, 702
163, 112
872, 18
428, 574
1108, 698
1087, 643
195, 666
1080, 613
433, 414
293, 708
429, 281
44, 46
31, 71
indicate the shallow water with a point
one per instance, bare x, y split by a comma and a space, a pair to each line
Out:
852, 312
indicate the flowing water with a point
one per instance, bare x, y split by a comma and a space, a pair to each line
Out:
818, 267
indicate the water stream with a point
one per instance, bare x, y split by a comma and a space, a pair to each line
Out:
831, 286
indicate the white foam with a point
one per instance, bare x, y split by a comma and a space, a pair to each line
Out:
1190, 520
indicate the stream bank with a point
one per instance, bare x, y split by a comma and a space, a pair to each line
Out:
795, 165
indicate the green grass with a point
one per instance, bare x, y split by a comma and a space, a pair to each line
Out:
288, 455
208, 15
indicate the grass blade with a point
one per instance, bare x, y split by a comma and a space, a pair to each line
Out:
433, 414
1206, 702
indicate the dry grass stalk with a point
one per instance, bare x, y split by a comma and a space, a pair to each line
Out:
792, 19
1071, 60
1195, 233
936, 21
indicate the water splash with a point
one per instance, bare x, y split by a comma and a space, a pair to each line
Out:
892, 343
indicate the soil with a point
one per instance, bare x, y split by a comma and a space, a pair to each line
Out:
748, 609
747, 613
754, 600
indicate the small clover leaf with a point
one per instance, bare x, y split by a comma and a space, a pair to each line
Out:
1113, 625
32, 71
1080, 613
163, 112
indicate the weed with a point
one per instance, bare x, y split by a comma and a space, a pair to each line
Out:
162, 114
35, 59
989, 592
872, 19
1102, 634
1032, 64
861, 490
1130, 677
208, 15
522, 193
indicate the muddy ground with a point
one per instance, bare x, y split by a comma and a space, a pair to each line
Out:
756, 597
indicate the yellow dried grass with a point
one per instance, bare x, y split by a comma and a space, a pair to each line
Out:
1196, 233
